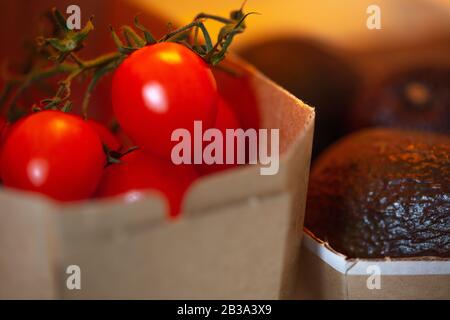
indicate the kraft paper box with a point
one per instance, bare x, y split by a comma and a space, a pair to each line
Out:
327, 274
237, 238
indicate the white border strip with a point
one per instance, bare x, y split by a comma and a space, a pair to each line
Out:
336, 261
387, 267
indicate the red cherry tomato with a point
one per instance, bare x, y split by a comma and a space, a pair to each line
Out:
226, 119
4, 133
238, 92
53, 153
7, 128
160, 88
140, 172
3, 125
106, 136
125, 141
100, 105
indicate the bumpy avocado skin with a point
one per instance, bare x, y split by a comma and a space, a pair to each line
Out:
383, 193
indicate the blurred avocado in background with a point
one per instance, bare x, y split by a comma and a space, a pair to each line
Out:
313, 72
417, 98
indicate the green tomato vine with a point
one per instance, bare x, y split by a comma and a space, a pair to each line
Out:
62, 53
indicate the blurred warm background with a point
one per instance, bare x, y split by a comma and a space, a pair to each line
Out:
342, 22
321, 51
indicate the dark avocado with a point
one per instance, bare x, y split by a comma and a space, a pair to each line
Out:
383, 193
314, 73
417, 99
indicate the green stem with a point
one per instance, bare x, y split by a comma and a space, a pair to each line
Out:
102, 60
37, 75
104, 64
130, 33
175, 32
213, 17
74, 70
208, 42
72, 41
96, 77
77, 60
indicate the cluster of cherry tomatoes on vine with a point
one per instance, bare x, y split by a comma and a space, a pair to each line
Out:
155, 90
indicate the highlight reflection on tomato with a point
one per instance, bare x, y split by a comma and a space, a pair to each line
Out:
160, 88
139, 172
53, 153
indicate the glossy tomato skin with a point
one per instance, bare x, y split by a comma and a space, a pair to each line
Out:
226, 119
139, 172
239, 94
124, 140
53, 153
105, 135
160, 88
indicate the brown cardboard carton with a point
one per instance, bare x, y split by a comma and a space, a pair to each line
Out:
237, 238
327, 274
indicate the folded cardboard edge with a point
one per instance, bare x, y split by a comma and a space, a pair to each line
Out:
195, 200
241, 188
27, 252
208, 263
90, 215
388, 266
